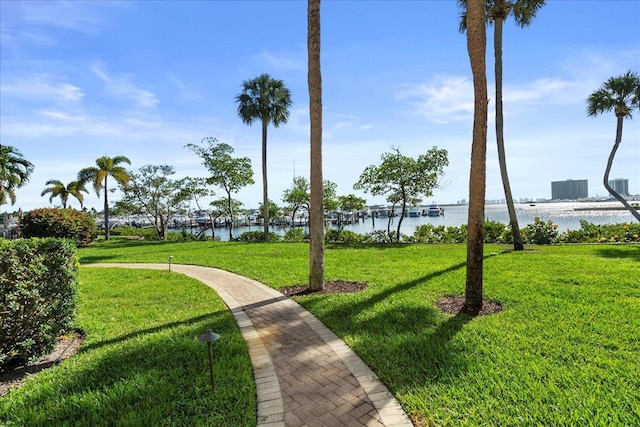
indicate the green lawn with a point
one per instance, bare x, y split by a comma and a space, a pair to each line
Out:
141, 363
564, 351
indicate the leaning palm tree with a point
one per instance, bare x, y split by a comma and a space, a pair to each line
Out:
523, 11
316, 217
267, 100
58, 189
14, 173
620, 94
97, 175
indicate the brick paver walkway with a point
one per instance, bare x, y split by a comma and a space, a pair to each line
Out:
305, 375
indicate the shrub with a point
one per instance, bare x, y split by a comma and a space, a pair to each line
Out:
295, 235
38, 291
145, 233
256, 237
540, 232
380, 236
63, 223
495, 232
343, 236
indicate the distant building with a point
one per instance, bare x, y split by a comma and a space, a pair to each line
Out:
620, 186
570, 189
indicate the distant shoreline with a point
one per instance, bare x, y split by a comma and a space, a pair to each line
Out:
606, 208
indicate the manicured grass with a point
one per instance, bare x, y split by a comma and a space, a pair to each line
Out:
564, 351
141, 363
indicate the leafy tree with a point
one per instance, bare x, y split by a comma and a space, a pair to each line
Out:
477, 47
267, 100
98, 175
14, 173
196, 188
316, 211
523, 11
156, 195
58, 189
350, 203
222, 207
329, 196
620, 94
272, 212
403, 179
227, 172
298, 196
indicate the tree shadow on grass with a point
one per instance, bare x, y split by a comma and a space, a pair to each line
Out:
155, 377
155, 329
627, 251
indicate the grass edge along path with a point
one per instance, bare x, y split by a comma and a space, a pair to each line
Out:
141, 363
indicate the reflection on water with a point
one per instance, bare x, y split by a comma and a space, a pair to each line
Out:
562, 214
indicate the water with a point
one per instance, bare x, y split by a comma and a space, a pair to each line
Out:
562, 214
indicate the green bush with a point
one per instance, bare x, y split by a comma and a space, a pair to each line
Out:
38, 291
540, 232
295, 235
63, 223
129, 231
343, 236
256, 237
608, 233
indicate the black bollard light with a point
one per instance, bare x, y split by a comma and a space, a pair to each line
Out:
170, 258
210, 337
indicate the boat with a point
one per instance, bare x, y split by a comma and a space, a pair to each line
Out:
434, 210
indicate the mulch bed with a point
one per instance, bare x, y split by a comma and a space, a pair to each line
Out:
333, 287
64, 348
455, 305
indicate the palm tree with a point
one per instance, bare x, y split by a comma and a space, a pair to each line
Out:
316, 214
523, 11
268, 100
106, 166
14, 173
477, 45
620, 94
58, 189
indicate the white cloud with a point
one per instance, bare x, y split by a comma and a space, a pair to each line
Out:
283, 61
443, 100
120, 85
42, 86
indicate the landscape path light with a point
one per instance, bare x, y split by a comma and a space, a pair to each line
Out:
210, 337
170, 258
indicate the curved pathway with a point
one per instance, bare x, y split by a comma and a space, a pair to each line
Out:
305, 375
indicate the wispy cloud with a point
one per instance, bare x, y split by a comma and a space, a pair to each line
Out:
120, 85
282, 61
442, 100
42, 86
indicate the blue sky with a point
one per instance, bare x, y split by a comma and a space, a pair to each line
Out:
80, 80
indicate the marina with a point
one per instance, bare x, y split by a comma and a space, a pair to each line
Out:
567, 215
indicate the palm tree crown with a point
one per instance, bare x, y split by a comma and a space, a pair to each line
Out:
620, 94
14, 173
523, 11
264, 98
58, 189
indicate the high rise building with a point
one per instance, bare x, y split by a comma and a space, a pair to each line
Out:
620, 186
570, 189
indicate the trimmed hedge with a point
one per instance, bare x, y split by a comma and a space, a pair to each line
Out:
63, 223
38, 293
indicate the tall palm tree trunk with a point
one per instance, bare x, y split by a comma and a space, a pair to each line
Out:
265, 195
476, 45
106, 211
316, 214
518, 244
614, 193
